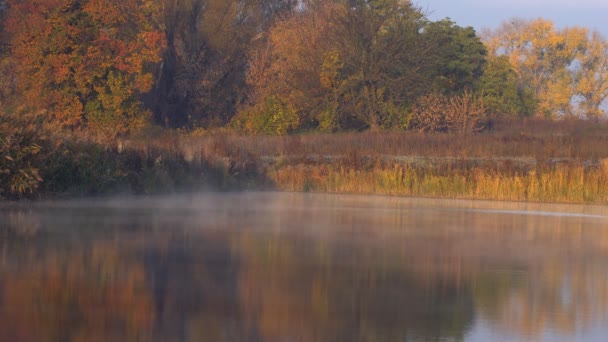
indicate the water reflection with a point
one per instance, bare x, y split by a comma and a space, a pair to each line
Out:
300, 267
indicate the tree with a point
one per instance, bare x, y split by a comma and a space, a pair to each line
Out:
592, 76
202, 78
543, 57
360, 64
385, 61
459, 54
344, 65
289, 65
87, 63
502, 91
7, 84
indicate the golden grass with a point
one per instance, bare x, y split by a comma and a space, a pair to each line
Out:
563, 184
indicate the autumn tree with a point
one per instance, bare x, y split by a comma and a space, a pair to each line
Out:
360, 64
289, 67
543, 58
202, 78
566, 69
592, 77
87, 63
342, 65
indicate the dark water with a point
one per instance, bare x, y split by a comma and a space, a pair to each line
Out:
302, 267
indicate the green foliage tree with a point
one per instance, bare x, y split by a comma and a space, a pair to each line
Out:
502, 92
384, 58
459, 54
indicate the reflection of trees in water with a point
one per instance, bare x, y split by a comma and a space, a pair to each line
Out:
309, 290
453, 254
564, 298
527, 275
74, 295
357, 275
524, 281
194, 281
160, 286
188, 287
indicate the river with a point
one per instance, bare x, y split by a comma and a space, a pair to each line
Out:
302, 267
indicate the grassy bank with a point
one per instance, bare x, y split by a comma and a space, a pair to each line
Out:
522, 161
35, 163
87, 169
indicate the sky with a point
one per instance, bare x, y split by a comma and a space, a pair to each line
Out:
480, 14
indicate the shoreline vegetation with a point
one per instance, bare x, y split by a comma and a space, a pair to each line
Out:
351, 96
516, 161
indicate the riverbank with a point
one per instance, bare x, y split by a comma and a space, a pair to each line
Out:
539, 161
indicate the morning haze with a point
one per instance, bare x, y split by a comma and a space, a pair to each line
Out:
310, 170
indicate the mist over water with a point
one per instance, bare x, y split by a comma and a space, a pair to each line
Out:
302, 267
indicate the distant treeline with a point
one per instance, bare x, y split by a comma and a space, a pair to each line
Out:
110, 67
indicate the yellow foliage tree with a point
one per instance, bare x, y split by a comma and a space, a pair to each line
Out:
592, 85
543, 57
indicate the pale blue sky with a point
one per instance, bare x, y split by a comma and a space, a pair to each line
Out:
480, 14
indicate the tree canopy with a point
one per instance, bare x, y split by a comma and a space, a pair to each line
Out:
110, 67
87, 62
360, 64
566, 69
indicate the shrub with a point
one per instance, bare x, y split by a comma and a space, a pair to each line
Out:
274, 116
465, 114
428, 113
458, 114
21, 142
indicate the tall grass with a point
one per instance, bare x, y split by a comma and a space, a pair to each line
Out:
561, 183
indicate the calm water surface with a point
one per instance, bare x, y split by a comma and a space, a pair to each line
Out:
302, 267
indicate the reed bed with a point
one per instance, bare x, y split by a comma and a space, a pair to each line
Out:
558, 184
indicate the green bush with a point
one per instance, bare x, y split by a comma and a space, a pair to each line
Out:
274, 116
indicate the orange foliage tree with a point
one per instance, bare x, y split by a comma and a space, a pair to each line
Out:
86, 62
